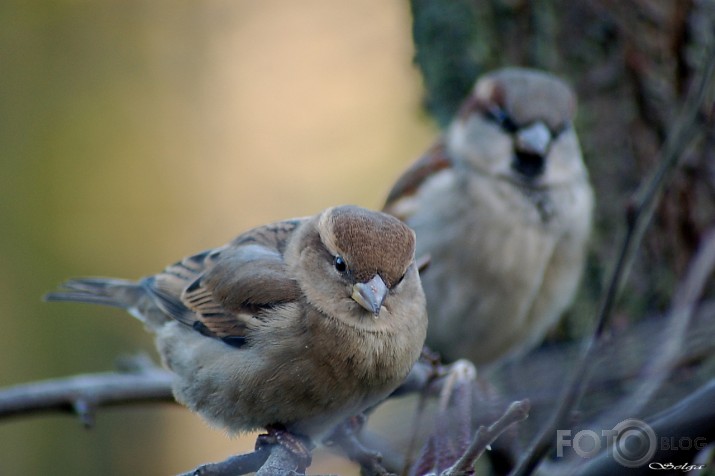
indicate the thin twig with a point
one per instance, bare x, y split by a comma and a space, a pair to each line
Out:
345, 436
82, 394
424, 374
665, 357
517, 411
452, 426
638, 217
691, 420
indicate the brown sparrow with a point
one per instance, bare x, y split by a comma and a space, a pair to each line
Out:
297, 324
502, 205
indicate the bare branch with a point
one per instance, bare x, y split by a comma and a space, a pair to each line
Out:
144, 382
666, 357
452, 428
517, 411
345, 436
277, 452
281, 461
692, 418
83, 394
638, 216
240, 464
265, 461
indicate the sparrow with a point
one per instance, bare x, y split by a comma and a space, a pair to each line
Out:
502, 205
296, 325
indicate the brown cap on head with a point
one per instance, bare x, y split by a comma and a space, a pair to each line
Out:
370, 242
526, 95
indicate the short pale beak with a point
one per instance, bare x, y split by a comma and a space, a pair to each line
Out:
534, 139
371, 294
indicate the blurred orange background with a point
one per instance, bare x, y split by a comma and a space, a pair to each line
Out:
133, 133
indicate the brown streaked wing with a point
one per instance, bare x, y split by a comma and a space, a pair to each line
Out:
218, 292
433, 161
245, 276
273, 236
167, 287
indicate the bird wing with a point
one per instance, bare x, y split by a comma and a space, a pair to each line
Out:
434, 160
218, 292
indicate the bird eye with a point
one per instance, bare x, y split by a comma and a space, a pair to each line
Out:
502, 119
340, 264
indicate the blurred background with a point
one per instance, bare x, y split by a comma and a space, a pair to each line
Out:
134, 133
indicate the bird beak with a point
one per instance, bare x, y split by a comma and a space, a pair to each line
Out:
371, 294
534, 139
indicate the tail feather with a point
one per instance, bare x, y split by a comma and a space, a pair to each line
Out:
109, 292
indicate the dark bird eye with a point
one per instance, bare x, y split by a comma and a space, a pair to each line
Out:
340, 264
502, 119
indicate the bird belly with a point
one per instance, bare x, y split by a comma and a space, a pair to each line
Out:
485, 287
307, 389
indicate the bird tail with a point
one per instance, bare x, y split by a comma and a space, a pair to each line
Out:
128, 295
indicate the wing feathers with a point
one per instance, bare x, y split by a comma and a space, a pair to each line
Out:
430, 163
217, 292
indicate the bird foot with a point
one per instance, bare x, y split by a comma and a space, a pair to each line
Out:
298, 446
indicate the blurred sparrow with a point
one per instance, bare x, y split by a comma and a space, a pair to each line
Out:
297, 325
502, 205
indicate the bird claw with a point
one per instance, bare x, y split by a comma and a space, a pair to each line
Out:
297, 446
